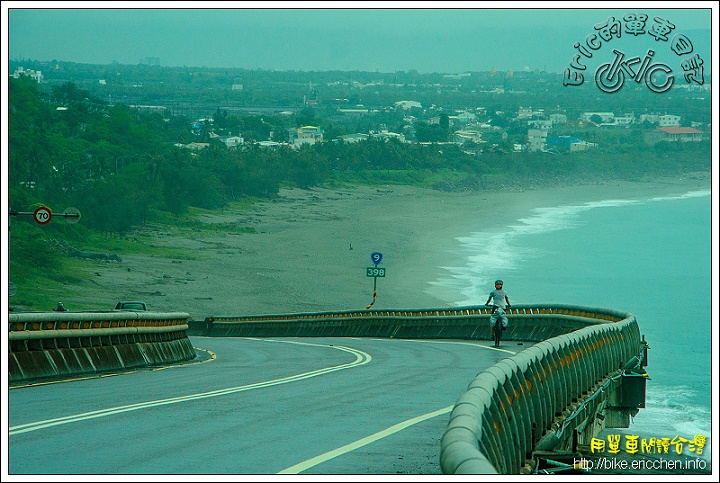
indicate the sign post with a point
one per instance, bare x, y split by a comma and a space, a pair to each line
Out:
42, 214
375, 272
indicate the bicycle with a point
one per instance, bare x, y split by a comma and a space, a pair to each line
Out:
497, 332
498, 327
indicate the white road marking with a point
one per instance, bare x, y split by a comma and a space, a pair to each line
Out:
304, 465
295, 469
361, 358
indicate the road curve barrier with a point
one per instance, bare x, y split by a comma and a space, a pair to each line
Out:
530, 323
57, 345
545, 403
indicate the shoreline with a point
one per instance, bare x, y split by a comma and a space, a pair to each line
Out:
299, 259
311, 248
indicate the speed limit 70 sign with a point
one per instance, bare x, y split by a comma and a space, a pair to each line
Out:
42, 215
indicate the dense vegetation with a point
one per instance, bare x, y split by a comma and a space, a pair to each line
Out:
123, 168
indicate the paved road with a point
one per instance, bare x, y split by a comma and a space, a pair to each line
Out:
254, 406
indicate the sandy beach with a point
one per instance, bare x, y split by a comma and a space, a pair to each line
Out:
311, 248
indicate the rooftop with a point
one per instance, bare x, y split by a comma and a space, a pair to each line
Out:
679, 130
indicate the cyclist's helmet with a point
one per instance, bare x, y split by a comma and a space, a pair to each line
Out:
498, 282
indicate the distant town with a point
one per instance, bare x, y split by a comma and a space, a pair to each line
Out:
480, 111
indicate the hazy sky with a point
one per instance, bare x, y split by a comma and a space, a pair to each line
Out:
277, 35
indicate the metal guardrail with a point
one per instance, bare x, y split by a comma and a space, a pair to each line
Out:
18, 321
43, 325
605, 315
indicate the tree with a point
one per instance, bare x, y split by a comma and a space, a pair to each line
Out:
117, 203
430, 133
67, 93
306, 117
445, 122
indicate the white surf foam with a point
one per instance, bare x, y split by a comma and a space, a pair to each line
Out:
488, 255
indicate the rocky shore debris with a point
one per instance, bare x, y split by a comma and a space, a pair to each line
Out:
71, 251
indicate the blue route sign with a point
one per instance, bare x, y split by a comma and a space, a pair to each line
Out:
376, 257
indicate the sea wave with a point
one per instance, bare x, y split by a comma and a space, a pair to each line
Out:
689, 194
488, 255
672, 412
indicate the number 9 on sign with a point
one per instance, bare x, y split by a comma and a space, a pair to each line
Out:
375, 272
376, 257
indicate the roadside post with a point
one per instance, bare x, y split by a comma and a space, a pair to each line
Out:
42, 214
375, 272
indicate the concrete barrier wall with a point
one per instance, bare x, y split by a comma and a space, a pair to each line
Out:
528, 323
544, 398
53, 345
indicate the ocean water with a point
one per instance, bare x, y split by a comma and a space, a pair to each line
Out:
650, 257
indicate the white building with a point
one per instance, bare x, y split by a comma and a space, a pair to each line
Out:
653, 118
233, 141
524, 112
558, 118
581, 146
465, 117
668, 120
406, 105
543, 124
537, 139
625, 119
353, 138
37, 75
467, 135
306, 135
195, 146
385, 135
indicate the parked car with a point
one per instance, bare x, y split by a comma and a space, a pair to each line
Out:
131, 305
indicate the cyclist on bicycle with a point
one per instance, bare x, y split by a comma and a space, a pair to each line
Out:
500, 302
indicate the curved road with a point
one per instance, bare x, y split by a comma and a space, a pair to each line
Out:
254, 406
